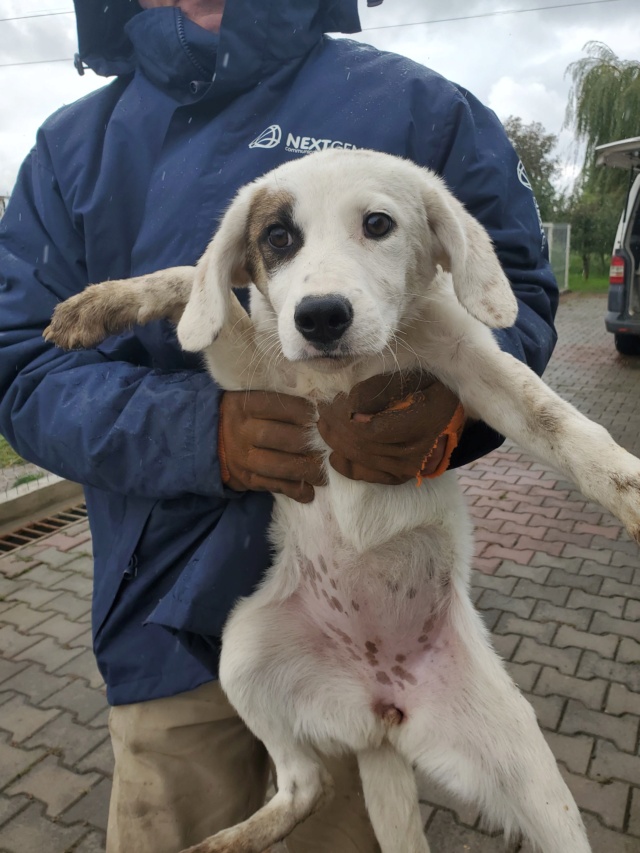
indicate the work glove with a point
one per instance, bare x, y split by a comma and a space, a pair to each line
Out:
263, 441
391, 429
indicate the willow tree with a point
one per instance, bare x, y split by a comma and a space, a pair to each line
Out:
604, 106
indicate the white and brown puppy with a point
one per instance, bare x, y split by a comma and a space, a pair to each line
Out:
362, 636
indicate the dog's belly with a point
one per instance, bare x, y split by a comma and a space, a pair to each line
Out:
394, 637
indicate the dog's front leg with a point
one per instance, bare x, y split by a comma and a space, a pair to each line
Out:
508, 396
112, 307
101, 310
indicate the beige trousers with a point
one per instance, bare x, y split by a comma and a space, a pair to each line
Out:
187, 766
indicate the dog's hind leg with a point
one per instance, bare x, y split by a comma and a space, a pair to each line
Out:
303, 787
473, 732
391, 797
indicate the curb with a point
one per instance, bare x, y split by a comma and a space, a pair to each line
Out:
30, 501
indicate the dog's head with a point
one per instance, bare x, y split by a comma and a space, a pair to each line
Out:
339, 245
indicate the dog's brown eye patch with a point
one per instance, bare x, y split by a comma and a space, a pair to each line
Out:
272, 236
377, 225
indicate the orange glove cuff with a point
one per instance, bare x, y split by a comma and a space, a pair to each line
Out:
453, 431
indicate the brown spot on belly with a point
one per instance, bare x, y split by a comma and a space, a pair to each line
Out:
383, 678
344, 637
403, 674
411, 593
330, 642
336, 605
401, 658
372, 659
355, 606
333, 583
323, 565
371, 647
428, 625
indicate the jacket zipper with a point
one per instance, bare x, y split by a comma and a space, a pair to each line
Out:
187, 49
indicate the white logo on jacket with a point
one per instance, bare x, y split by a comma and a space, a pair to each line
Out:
269, 138
272, 136
523, 177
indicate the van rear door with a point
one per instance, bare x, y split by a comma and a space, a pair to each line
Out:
623, 316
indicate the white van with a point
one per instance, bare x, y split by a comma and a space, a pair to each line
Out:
623, 308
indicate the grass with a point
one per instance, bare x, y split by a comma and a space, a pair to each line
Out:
28, 478
8, 456
596, 283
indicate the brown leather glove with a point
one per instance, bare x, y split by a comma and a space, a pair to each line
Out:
263, 444
391, 429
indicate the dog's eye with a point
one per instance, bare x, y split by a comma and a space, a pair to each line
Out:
377, 225
279, 237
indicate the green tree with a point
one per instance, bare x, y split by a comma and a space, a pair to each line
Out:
603, 106
594, 217
535, 148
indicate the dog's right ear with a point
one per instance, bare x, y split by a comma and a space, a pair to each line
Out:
463, 248
221, 267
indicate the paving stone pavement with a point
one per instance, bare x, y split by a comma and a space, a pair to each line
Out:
558, 584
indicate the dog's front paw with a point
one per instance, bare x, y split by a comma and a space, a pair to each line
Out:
86, 319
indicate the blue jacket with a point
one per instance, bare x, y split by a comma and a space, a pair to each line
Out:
133, 178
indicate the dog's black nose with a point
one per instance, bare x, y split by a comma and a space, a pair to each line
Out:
323, 320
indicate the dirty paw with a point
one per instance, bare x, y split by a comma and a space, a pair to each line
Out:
626, 502
86, 319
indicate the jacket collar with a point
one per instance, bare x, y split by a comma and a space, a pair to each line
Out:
256, 37
173, 52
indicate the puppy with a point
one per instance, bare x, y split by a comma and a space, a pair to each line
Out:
362, 636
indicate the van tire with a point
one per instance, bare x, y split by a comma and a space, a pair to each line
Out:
628, 344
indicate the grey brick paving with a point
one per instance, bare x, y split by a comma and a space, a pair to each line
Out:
559, 586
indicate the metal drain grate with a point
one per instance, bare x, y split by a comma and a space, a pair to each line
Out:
40, 528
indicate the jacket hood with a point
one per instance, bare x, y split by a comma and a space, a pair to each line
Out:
267, 31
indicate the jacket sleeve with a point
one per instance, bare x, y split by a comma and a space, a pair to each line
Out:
482, 169
105, 423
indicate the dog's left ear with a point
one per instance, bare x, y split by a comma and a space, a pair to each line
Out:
464, 248
221, 267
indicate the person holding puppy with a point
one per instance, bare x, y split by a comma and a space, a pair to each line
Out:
207, 96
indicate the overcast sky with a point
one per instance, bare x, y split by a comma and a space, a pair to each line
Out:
513, 61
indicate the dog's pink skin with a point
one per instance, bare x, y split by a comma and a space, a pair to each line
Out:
397, 651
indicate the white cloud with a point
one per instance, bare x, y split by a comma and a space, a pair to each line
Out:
529, 100
515, 63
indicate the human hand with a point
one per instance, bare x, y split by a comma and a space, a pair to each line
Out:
263, 444
390, 429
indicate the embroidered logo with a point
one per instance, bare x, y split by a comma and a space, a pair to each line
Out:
269, 138
522, 176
